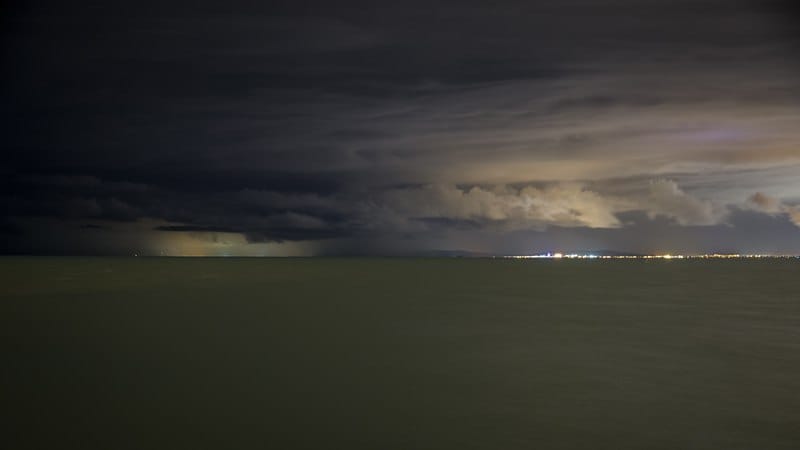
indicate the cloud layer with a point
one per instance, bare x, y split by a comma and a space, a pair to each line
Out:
770, 205
319, 122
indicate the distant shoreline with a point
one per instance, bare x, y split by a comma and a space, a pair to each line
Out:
401, 257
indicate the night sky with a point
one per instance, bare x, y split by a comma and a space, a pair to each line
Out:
399, 128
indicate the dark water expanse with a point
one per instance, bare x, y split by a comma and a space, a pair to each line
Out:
400, 353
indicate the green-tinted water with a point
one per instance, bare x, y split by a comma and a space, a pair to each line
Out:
400, 353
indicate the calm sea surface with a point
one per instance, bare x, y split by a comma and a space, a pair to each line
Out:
143, 353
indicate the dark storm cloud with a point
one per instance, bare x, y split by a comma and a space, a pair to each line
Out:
194, 229
364, 121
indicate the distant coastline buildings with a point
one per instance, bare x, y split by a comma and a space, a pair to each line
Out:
558, 255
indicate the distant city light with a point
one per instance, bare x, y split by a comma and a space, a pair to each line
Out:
559, 255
